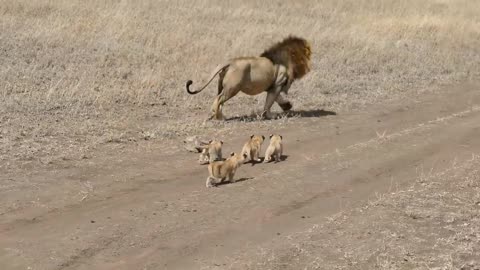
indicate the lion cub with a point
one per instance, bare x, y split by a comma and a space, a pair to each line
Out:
274, 149
253, 147
211, 152
220, 170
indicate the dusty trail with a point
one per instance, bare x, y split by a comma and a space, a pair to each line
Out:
148, 210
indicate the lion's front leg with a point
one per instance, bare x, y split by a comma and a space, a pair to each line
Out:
285, 104
282, 84
271, 97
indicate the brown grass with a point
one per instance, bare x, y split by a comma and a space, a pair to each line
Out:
433, 224
79, 73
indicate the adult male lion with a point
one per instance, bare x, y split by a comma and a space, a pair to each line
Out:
273, 71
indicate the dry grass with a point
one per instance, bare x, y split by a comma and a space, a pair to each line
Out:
433, 224
79, 73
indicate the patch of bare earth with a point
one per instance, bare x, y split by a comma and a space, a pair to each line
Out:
93, 112
432, 224
146, 206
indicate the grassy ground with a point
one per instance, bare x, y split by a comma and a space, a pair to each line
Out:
433, 224
76, 74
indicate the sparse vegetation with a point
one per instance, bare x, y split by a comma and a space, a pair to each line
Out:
80, 72
433, 224
93, 114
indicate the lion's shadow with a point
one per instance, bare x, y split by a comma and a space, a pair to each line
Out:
289, 114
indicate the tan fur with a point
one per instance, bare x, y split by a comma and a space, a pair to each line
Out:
274, 71
211, 152
253, 147
220, 170
274, 149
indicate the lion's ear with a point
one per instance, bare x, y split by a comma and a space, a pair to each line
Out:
271, 135
281, 138
232, 154
221, 142
209, 142
263, 137
251, 136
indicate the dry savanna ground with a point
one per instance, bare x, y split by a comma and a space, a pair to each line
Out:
93, 112
82, 73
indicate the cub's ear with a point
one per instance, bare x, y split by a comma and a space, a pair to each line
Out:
232, 154
221, 142
263, 137
210, 141
245, 155
281, 138
251, 137
271, 135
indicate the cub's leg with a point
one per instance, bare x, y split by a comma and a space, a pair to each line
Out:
211, 181
277, 156
231, 177
256, 155
268, 157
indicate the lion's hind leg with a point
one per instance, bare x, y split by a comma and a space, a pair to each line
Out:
220, 100
216, 109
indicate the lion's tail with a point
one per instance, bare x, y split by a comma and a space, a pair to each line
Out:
217, 70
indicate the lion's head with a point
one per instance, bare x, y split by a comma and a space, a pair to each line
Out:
292, 52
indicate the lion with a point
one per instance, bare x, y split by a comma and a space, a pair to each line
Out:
253, 147
211, 152
274, 149
220, 170
273, 71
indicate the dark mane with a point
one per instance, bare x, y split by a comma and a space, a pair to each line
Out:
292, 52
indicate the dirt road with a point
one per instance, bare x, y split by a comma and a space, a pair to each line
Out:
146, 206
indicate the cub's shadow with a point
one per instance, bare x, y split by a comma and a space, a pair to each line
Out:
226, 182
289, 114
253, 163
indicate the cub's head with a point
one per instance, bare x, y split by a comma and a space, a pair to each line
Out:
204, 157
275, 138
215, 143
237, 157
214, 149
257, 138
